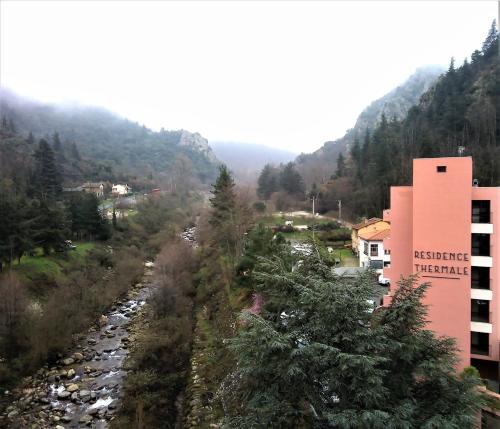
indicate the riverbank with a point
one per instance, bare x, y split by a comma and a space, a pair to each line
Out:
84, 387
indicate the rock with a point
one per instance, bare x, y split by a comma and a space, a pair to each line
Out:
59, 427
68, 361
103, 321
77, 356
12, 414
92, 342
64, 394
71, 373
72, 388
66, 418
93, 411
86, 419
74, 396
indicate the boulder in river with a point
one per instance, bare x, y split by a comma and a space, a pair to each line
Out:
72, 388
78, 356
64, 394
103, 320
68, 361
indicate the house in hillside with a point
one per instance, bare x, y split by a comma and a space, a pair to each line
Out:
371, 250
118, 190
374, 224
95, 188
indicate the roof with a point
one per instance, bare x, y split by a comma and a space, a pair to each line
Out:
349, 271
375, 235
92, 185
367, 222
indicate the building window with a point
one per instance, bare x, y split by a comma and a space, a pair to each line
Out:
480, 244
376, 264
387, 252
387, 264
480, 310
481, 211
480, 278
365, 248
373, 249
479, 343
441, 168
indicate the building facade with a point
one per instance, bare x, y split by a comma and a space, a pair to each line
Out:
445, 228
371, 250
368, 226
120, 189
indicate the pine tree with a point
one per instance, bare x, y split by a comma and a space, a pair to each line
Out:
340, 166
47, 176
316, 357
291, 181
267, 182
223, 199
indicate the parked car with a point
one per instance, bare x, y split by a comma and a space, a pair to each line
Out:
384, 281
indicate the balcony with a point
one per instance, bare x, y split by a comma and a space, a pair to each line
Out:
481, 294
485, 328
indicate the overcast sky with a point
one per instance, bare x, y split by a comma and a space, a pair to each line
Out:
285, 74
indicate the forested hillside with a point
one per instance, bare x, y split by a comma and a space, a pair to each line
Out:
460, 111
120, 147
321, 164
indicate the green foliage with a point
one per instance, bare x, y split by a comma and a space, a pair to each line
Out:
286, 179
316, 357
47, 180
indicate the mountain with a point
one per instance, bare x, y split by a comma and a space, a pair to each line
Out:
458, 115
246, 160
117, 144
320, 165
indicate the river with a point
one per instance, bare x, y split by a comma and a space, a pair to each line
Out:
84, 388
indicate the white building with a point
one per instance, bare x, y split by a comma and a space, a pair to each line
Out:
121, 189
371, 250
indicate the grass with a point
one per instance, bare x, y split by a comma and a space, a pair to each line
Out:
52, 264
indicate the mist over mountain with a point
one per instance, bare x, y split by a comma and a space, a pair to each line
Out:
247, 159
321, 164
116, 143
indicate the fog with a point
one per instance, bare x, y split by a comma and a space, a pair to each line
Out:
284, 74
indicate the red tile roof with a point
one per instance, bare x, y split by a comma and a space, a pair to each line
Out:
366, 222
375, 235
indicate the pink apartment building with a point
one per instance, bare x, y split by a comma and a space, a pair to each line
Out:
447, 229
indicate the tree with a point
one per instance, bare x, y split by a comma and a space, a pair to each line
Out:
490, 45
47, 176
267, 182
316, 357
223, 199
291, 181
341, 169
51, 226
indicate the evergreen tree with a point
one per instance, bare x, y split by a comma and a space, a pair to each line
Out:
291, 181
47, 176
316, 357
223, 199
51, 226
341, 169
267, 182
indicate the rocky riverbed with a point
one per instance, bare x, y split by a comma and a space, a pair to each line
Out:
83, 389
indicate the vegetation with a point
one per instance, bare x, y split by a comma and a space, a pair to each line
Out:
459, 111
314, 356
101, 146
